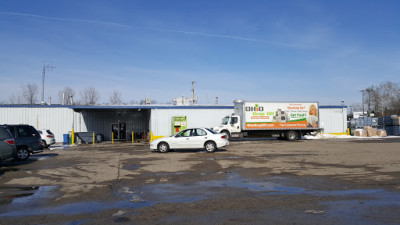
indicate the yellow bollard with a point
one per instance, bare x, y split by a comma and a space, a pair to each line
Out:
93, 138
112, 138
72, 137
133, 137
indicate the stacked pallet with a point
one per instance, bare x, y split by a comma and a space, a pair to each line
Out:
370, 132
360, 133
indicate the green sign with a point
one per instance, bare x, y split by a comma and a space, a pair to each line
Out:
178, 123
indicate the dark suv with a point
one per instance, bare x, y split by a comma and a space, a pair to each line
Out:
27, 140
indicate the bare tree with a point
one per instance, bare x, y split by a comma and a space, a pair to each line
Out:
384, 98
115, 98
89, 96
65, 94
15, 99
30, 93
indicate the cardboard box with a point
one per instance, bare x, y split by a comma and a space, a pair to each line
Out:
371, 132
360, 133
381, 133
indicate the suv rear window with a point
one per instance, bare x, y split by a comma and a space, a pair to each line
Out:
4, 134
25, 131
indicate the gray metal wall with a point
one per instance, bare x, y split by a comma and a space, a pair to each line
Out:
100, 120
161, 119
58, 119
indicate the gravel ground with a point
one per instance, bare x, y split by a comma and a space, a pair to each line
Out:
260, 181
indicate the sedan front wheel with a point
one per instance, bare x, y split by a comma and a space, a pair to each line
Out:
163, 147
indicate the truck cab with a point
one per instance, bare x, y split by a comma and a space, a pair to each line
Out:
230, 126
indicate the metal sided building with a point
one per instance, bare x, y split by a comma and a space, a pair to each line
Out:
121, 121
58, 118
333, 119
155, 120
162, 118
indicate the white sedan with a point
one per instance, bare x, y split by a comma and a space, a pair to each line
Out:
195, 138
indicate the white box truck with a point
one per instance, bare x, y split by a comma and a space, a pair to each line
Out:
284, 120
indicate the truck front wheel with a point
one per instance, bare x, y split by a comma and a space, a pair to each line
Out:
291, 135
226, 133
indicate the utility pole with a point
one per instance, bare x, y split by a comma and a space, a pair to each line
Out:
43, 77
362, 99
369, 90
193, 99
343, 125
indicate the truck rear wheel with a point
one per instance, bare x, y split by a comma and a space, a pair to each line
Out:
291, 135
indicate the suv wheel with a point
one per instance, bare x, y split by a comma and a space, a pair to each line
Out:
44, 144
22, 154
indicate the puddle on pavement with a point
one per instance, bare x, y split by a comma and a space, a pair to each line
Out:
42, 156
24, 195
60, 147
4, 170
169, 174
15, 200
352, 203
223, 158
131, 167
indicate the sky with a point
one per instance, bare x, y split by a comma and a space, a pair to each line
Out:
258, 50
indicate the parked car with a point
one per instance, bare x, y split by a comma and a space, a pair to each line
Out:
27, 140
194, 138
8, 149
47, 137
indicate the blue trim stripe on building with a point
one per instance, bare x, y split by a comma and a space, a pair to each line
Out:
119, 107
143, 107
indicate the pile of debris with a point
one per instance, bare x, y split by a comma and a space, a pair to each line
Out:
370, 132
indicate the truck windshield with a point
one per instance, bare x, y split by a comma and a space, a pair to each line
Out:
225, 120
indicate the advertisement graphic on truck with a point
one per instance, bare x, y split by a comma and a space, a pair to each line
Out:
284, 120
280, 115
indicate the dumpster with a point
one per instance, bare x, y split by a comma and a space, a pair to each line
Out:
84, 137
65, 138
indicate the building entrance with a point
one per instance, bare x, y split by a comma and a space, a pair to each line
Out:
119, 131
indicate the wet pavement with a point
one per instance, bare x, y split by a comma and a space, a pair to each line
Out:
344, 205
203, 194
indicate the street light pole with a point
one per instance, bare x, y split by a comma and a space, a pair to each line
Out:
43, 77
343, 116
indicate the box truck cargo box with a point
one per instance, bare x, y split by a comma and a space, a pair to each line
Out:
289, 120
